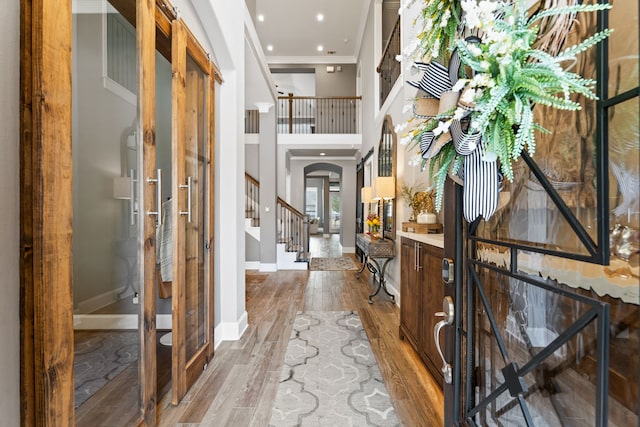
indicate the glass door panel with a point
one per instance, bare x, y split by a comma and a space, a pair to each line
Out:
550, 340
195, 233
107, 283
191, 147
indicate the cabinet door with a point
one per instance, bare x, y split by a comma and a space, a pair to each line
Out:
410, 292
432, 295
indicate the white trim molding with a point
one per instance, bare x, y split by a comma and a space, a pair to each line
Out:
230, 331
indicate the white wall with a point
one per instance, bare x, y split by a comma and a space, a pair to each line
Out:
9, 214
393, 106
223, 37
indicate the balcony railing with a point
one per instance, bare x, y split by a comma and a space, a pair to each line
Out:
251, 121
389, 68
308, 114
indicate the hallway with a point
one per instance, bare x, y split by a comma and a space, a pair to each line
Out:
239, 386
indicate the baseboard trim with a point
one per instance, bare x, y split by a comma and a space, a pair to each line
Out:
230, 331
252, 265
116, 321
102, 300
348, 250
392, 287
268, 267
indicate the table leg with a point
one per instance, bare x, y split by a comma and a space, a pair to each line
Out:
364, 264
381, 281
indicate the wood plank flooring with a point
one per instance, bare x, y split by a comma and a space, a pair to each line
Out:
239, 386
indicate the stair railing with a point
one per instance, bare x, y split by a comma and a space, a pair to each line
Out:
252, 199
389, 67
293, 228
293, 225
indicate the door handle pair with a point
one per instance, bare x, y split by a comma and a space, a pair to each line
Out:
158, 212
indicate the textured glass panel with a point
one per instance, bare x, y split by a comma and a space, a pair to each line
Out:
196, 166
106, 223
531, 217
623, 46
562, 388
566, 156
624, 178
498, 256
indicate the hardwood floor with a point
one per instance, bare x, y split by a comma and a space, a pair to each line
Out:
238, 388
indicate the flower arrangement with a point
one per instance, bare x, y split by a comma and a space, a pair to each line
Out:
439, 22
511, 75
419, 201
373, 221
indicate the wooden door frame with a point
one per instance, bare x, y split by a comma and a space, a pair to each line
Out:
46, 209
186, 372
46, 311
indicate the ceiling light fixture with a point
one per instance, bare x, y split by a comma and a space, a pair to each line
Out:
320, 48
323, 154
320, 17
270, 47
261, 18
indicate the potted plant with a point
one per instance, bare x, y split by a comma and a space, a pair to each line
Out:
418, 200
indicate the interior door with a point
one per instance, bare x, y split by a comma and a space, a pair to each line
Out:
546, 330
192, 177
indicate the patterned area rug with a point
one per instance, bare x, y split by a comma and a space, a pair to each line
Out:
99, 357
332, 264
330, 376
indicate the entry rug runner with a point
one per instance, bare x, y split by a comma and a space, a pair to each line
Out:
332, 264
330, 376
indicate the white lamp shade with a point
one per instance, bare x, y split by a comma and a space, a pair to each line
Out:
385, 188
122, 188
366, 194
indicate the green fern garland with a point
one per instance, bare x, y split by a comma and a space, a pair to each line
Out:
511, 76
517, 76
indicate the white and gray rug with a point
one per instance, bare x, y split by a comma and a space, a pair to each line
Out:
330, 376
332, 264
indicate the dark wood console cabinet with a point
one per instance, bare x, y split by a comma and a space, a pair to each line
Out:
421, 291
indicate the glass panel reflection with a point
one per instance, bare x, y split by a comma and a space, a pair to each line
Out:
106, 224
623, 47
195, 237
561, 390
566, 156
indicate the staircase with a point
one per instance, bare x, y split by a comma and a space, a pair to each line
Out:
292, 228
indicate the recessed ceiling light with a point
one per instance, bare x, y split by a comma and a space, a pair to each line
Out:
323, 154
261, 17
320, 48
320, 17
270, 47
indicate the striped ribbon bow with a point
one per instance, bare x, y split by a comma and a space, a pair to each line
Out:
479, 174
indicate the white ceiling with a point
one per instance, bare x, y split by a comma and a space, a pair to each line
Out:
292, 28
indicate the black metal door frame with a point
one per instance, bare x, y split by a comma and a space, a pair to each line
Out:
467, 289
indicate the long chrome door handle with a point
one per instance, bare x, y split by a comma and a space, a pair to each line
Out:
187, 187
418, 256
449, 315
158, 182
132, 193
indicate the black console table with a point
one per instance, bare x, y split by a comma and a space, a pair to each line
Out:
375, 251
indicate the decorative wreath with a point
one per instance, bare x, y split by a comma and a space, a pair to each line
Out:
472, 127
